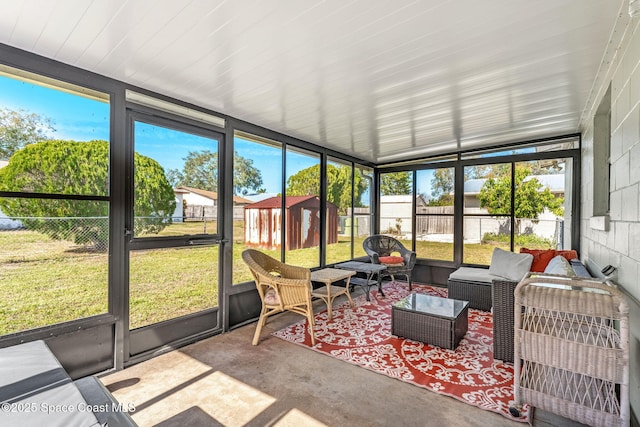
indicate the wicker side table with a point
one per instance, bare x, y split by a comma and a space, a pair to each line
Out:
433, 320
572, 348
329, 292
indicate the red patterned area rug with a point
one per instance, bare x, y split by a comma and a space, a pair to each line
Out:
362, 336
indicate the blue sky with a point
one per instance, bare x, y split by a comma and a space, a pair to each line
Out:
73, 117
82, 119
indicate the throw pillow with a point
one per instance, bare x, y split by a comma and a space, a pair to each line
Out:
560, 266
271, 297
510, 265
541, 258
392, 260
568, 254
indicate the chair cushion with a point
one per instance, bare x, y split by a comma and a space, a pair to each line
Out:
541, 258
473, 274
510, 265
271, 297
391, 260
559, 265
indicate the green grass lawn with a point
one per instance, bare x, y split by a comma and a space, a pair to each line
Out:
43, 281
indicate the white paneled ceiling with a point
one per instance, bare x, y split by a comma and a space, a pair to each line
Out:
381, 80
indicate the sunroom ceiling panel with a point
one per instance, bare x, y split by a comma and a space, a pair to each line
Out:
85, 29
380, 80
35, 18
9, 20
56, 29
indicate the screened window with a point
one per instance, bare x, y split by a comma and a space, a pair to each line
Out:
339, 211
516, 205
396, 206
176, 182
602, 157
363, 214
54, 201
555, 144
487, 211
521, 196
434, 213
302, 208
257, 183
542, 209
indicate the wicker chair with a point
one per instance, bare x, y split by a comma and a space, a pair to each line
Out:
378, 245
281, 287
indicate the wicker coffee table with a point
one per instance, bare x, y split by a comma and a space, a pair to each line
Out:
433, 320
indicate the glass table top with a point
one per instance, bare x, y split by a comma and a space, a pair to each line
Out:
364, 267
434, 306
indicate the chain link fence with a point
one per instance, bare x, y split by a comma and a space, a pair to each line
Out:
38, 238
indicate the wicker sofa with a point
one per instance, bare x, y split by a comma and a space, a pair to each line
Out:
489, 292
502, 296
472, 284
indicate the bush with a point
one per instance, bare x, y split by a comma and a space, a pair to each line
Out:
522, 240
80, 169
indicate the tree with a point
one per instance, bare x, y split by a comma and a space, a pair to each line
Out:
200, 170
80, 168
487, 171
546, 167
395, 183
531, 197
442, 187
339, 187
246, 177
442, 182
307, 182
19, 128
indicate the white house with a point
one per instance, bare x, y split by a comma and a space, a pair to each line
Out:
196, 203
554, 182
547, 224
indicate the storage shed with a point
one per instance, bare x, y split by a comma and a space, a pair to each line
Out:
263, 219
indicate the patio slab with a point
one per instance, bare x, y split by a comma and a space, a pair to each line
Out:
225, 381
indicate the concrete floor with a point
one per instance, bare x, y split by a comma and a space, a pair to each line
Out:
225, 381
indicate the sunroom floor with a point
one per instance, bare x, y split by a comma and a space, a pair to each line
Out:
225, 381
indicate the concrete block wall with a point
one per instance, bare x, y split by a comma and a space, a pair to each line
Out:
620, 244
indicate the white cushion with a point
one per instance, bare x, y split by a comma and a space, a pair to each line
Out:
559, 265
473, 274
510, 265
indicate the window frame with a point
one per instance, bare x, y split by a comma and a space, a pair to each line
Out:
459, 164
74, 83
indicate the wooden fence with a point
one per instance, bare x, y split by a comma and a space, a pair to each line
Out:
428, 220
